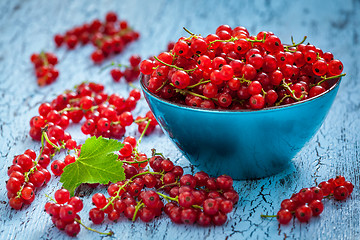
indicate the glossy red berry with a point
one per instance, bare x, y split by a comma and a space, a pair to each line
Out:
284, 216
303, 213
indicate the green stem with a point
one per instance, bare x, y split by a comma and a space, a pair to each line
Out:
78, 108
243, 80
162, 85
182, 91
143, 133
132, 85
263, 92
50, 198
44, 58
174, 66
295, 45
119, 65
199, 83
138, 162
332, 77
141, 120
27, 174
169, 185
232, 39
124, 185
91, 229
255, 40
70, 109
115, 123
48, 141
117, 195
266, 216
154, 153
188, 31
197, 206
281, 100
285, 85
139, 205
175, 199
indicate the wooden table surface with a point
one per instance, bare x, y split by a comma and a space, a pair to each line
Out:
29, 26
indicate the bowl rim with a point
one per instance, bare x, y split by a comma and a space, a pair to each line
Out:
273, 108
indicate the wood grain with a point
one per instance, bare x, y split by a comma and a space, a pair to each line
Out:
28, 27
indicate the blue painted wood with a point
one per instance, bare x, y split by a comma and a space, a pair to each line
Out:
28, 27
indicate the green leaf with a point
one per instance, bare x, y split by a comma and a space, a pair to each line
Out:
97, 163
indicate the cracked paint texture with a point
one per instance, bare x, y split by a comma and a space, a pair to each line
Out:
29, 26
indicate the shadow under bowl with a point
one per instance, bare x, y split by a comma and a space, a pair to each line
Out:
244, 144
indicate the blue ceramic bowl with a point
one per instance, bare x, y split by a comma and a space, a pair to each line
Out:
243, 144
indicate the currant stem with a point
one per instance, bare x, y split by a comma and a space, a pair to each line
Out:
174, 66
295, 45
141, 120
292, 40
119, 65
116, 196
197, 206
143, 133
26, 175
265, 216
232, 39
132, 85
78, 108
91, 229
138, 162
199, 83
243, 80
139, 205
263, 92
44, 58
123, 186
332, 77
176, 199
115, 123
281, 100
154, 153
285, 85
143, 173
162, 85
70, 109
256, 40
188, 31
168, 197
50, 198
48, 141
169, 185
192, 93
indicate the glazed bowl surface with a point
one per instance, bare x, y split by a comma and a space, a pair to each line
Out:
244, 144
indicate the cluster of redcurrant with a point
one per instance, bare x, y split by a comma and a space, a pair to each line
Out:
233, 70
29, 171
191, 199
64, 212
108, 37
131, 73
308, 201
26, 174
143, 121
105, 115
44, 67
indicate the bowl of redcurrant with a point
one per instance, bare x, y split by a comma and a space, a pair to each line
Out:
238, 104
